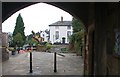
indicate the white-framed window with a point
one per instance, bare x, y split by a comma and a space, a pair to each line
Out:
68, 27
57, 35
68, 35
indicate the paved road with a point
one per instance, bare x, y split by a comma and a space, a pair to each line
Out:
43, 64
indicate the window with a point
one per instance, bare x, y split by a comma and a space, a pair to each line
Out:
117, 42
68, 35
56, 27
57, 35
68, 27
43, 35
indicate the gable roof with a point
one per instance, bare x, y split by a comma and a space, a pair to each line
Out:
62, 23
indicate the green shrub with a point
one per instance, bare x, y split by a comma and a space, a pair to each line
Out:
11, 49
64, 50
48, 46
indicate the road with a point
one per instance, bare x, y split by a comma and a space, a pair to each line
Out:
43, 63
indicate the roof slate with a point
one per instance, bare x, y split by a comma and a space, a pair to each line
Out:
62, 23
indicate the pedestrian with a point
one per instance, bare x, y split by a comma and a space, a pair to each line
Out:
18, 49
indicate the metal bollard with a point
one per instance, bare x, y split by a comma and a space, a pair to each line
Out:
31, 62
55, 62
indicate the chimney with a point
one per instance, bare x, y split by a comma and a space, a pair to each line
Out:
61, 18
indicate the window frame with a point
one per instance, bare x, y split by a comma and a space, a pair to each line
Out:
68, 27
56, 35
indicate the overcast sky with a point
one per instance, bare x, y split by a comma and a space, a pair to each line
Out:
36, 17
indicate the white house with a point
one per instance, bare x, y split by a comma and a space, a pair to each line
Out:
45, 35
60, 31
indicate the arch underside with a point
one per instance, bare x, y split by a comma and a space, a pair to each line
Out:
76, 9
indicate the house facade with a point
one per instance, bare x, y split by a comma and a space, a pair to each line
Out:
60, 31
45, 35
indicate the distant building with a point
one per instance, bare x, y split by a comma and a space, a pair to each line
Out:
60, 31
10, 38
45, 35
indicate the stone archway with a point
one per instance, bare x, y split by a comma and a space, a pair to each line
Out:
104, 15
79, 10
27, 5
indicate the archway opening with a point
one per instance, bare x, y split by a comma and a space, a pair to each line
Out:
64, 41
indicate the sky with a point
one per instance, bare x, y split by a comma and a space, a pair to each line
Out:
36, 17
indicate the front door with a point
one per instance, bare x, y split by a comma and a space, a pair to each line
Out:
63, 40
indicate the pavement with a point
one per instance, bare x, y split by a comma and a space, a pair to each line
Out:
43, 64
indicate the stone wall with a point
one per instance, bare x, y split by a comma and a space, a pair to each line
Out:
4, 45
0, 48
5, 54
113, 59
113, 63
0, 43
99, 56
